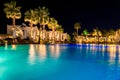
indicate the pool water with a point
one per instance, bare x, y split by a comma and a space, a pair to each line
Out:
60, 62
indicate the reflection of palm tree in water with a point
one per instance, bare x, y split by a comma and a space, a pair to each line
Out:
42, 51
55, 50
112, 49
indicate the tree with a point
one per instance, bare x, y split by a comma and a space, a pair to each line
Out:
85, 32
77, 26
43, 19
117, 35
111, 35
53, 24
60, 30
30, 16
12, 11
43, 16
97, 33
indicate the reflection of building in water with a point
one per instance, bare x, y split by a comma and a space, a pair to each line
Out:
55, 50
31, 54
42, 51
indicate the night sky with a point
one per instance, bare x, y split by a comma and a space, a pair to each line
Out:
91, 14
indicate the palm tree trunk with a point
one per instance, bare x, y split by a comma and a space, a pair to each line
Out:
60, 39
13, 26
77, 32
39, 36
53, 35
31, 25
44, 31
13, 19
97, 37
43, 27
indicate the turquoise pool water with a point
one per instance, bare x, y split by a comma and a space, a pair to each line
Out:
60, 62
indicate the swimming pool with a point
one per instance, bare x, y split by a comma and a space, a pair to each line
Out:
60, 62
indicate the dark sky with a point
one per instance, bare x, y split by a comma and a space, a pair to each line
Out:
100, 13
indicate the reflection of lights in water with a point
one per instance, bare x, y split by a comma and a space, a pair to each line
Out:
52, 49
6, 44
103, 49
42, 51
93, 48
55, 50
31, 53
13, 46
118, 50
112, 53
80, 46
87, 47
112, 50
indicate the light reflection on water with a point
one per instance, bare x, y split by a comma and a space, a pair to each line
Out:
112, 51
52, 59
43, 51
31, 54
54, 50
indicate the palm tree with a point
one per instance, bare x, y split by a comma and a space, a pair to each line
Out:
77, 26
43, 16
60, 30
30, 16
85, 32
12, 11
53, 24
111, 35
43, 19
117, 35
97, 33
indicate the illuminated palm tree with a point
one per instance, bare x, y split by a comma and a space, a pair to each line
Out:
111, 35
77, 26
97, 33
43, 19
30, 16
53, 24
60, 30
85, 32
12, 11
117, 35
43, 16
